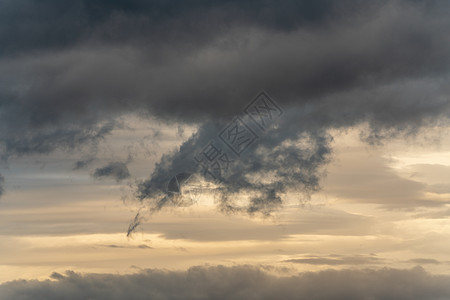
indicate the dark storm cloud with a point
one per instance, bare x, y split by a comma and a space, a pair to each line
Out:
300, 51
57, 26
215, 79
116, 170
239, 282
282, 160
18, 139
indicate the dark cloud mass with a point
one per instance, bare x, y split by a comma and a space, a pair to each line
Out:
67, 71
58, 26
81, 164
240, 282
2, 180
281, 161
116, 170
208, 59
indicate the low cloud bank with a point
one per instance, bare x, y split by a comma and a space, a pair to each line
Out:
239, 282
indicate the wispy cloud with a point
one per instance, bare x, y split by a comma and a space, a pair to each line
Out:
116, 170
335, 260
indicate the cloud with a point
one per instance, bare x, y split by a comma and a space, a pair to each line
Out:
282, 160
134, 224
239, 282
424, 261
335, 260
116, 170
142, 246
370, 178
148, 20
329, 64
81, 164
50, 138
2, 180
437, 214
237, 228
191, 62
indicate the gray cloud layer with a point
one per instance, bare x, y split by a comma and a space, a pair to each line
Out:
91, 61
240, 282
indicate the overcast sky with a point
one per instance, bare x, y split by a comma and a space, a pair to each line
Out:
224, 149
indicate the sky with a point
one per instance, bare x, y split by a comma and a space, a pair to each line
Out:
224, 149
